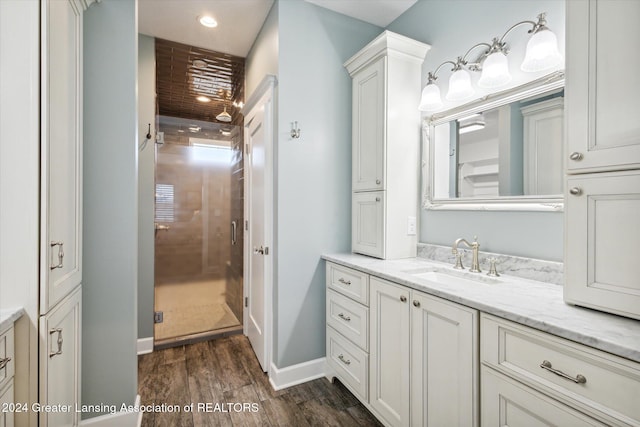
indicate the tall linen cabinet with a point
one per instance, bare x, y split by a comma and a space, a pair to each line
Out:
61, 209
386, 91
602, 157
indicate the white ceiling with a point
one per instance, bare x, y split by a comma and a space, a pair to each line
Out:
239, 21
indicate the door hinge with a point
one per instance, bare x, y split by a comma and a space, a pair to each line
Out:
246, 224
246, 148
246, 301
158, 317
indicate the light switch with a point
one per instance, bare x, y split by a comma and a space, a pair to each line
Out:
411, 226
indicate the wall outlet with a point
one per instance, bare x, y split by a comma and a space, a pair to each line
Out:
411, 226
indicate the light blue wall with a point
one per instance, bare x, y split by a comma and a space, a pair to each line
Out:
110, 252
146, 183
313, 172
451, 27
263, 55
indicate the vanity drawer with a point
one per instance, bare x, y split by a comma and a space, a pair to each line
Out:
6, 398
349, 318
505, 402
7, 358
349, 282
350, 363
595, 382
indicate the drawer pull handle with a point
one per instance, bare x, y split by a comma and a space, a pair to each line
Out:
344, 282
58, 341
60, 264
4, 362
576, 156
579, 379
345, 318
343, 360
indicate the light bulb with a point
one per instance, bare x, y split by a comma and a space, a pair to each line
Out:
430, 99
460, 86
542, 52
495, 71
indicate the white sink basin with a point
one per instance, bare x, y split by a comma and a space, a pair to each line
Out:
452, 277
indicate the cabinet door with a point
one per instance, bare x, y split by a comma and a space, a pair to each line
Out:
368, 222
60, 360
506, 402
369, 127
602, 231
444, 363
602, 99
6, 398
61, 150
389, 351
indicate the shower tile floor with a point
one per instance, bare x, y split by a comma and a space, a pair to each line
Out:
192, 308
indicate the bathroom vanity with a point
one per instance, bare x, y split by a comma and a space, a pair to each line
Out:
422, 344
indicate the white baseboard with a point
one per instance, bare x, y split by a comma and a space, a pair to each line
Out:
145, 345
119, 419
296, 374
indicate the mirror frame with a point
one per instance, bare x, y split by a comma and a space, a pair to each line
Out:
553, 203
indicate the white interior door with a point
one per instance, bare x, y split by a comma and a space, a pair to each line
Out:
258, 233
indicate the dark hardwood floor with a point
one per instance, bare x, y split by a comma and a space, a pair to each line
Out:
224, 373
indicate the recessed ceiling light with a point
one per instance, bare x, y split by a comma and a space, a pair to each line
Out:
208, 21
203, 98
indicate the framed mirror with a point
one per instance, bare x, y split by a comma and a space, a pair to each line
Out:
504, 151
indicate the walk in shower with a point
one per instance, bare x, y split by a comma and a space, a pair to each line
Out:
199, 233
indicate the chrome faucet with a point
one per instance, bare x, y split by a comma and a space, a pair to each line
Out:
475, 246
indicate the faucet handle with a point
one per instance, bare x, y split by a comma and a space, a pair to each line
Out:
493, 272
459, 255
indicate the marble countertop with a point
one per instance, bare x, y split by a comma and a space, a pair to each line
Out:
9, 316
528, 302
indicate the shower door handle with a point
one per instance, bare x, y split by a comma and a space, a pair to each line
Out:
234, 232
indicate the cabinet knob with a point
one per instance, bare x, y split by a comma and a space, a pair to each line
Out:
377, 199
377, 181
576, 156
416, 303
576, 191
403, 298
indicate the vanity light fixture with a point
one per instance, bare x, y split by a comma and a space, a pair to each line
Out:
542, 54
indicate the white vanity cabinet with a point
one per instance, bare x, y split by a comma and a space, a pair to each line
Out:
61, 208
411, 358
7, 370
603, 135
603, 131
348, 328
533, 378
424, 364
386, 90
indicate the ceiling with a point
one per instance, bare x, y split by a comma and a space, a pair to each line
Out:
239, 21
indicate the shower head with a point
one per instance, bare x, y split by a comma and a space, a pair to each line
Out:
224, 116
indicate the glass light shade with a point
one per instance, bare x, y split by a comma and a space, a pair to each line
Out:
430, 99
460, 86
542, 52
495, 71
